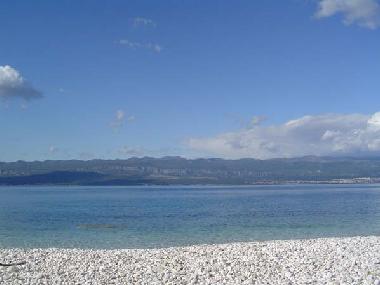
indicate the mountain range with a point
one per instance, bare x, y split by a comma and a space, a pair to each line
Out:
181, 171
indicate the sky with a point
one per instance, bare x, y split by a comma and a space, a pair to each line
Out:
114, 79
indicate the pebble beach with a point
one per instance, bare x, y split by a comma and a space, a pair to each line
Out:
315, 261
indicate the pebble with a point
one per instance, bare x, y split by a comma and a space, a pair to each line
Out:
315, 261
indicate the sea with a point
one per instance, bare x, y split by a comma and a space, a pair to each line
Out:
166, 216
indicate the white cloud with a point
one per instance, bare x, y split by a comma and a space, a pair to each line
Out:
131, 118
13, 85
137, 45
120, 115
256, 120
132, 151
246, 123
120, 118
327, 134
365, 13
139, 21
140, 151
53, 149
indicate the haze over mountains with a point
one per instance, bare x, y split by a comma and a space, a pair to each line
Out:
178, 170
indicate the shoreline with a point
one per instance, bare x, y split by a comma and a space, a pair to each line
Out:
275, 183
349, 260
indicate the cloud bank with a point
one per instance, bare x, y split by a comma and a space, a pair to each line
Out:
13, 85
365, 13
321, 135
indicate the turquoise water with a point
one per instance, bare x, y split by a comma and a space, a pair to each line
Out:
145, 217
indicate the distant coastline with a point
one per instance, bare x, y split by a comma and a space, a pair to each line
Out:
358, 181
180, 171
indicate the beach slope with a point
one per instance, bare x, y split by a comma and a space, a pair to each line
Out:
316, 261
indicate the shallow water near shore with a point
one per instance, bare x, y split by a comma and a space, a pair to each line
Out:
147, 217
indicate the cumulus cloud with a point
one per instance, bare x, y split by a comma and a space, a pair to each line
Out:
327, 134
137, 45
365, 13
13, 85
140, 21
120, 118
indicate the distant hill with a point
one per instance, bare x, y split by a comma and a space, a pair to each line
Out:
178, 170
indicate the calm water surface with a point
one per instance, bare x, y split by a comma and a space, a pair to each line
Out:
145, 217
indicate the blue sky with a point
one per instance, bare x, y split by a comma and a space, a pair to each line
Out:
114, 79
